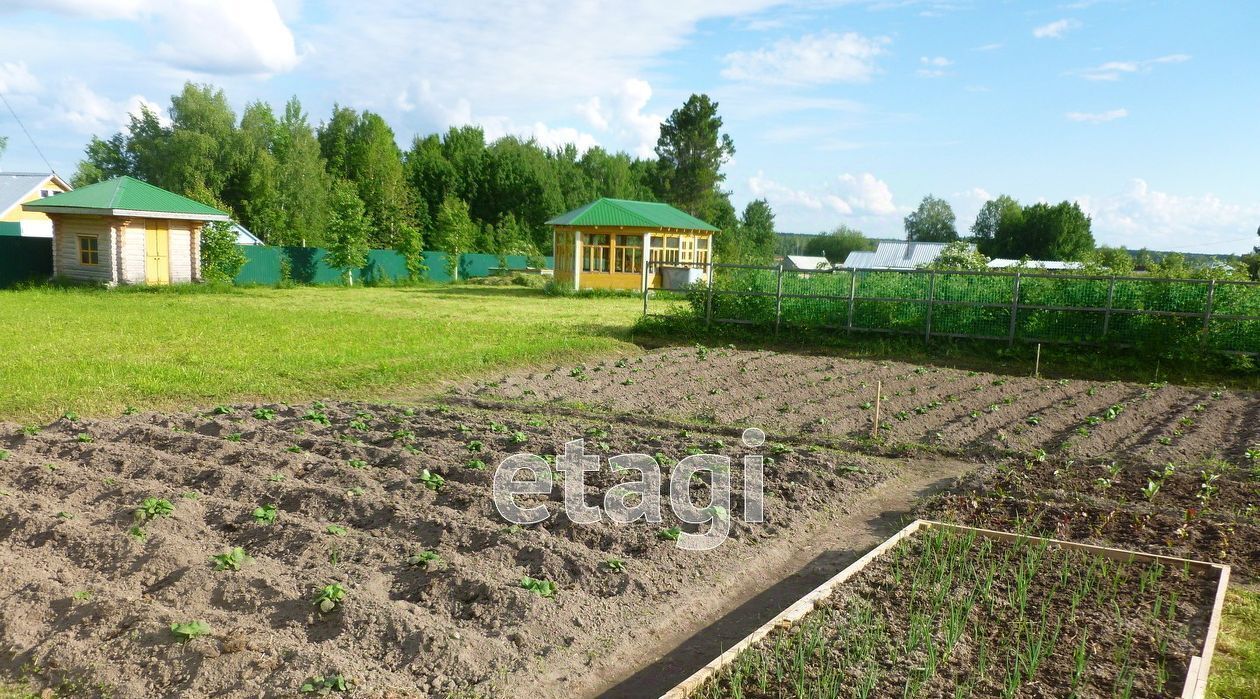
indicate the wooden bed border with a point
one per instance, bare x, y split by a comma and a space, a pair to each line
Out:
1196, 675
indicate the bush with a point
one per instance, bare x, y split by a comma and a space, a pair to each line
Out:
221, 257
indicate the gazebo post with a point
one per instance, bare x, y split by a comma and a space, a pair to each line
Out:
647, 257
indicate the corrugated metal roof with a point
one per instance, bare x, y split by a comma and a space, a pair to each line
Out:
126, 194
624, 212
1002, 263
807, 262
15, 185
906, 255
859, 259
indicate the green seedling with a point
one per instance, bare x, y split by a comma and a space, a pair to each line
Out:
232, 560
329, 597
151, 508
359, 425
84, 437
187, 631
404, 436
266, 514
431, 480
317, 416
70, 416
542, 588
137, 532
357, 463
264, 414
356, 491
190, 495
234, 437
335, 530
276, 477
519, 437
476, 446
221, 410
425, 559
322, 684
670, 534
82, 595
295, 449
475, 464
31, 430
130, 410
4, 454
615, 565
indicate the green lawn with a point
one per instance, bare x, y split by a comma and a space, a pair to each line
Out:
97, 351
1236, 665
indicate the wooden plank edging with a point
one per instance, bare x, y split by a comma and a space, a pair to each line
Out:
1196, 676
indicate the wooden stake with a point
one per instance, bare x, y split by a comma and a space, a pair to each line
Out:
1037, 368
879, 394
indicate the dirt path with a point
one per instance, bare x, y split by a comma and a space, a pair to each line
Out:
706, 619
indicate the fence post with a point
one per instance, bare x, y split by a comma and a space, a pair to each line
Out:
708, 301
1010, 342
647, 282
778, 301
1111, 295
1207, 312
927, 333
852, 294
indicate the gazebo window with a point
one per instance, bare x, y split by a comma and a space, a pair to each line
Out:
628, 255
88, 253
665, 248
596, 252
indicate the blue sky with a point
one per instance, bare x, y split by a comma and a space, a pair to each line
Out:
1147, 113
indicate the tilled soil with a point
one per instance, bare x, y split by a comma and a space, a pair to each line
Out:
829, 397
90, 591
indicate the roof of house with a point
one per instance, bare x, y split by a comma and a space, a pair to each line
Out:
896, 254
126, 196
807, 262
16, 186
1003, 262
628, 213
860, 259
244, 236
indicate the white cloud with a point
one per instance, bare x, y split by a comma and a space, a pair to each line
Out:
934, 67
1097, 117
988, 47
625, 117
16, 79
862, 196
1115, 70
1144, 217
87, 112
813, 59
221, 37
1055, 29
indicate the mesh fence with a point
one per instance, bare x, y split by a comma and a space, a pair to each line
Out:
1028, 307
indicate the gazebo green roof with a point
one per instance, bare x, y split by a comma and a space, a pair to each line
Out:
628, 213
126, 196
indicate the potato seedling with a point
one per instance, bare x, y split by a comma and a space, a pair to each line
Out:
476, 446
266, 514
70, 416
431, 480
64, 515
357, 463
317, 417
519, 437
264, 414
137, 532
151, 508
187, 631
542, 588
234, 437
425, 559
329, 597
670, 534
322, 685
615, 565
335, 530
232, 560
221, 410
294, 449
475, 465
84, 438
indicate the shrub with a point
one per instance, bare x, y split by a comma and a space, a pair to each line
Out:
221, 257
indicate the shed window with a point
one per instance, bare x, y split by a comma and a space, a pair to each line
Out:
595, 253
87, 250
628, 254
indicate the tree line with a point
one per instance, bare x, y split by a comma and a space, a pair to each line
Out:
346, 185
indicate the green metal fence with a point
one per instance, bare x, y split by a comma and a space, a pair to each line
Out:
1167, 314
24, 259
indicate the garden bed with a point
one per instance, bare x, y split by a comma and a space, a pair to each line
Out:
112, 531
945, 611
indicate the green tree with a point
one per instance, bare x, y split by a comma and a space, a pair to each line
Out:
932, 222
410, 244
1252, 261
960, 254
376, 168
692, 149
994, 215
836, 245
221, 257
1108, 260
756, 232
253, 189
1049, 232
348, 230
453, 232
302, 182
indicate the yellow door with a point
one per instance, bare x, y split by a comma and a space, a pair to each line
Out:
157, 243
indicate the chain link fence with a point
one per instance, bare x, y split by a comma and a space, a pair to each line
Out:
1032, 307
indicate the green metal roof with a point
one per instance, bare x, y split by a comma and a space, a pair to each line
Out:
625, 212
125, 195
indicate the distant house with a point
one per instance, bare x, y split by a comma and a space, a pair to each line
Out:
1004, 263
244, 236
897, 254
18, 188
807, 263
124, 231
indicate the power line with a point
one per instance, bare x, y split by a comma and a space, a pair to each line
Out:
28, 135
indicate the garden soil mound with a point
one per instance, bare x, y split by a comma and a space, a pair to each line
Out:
90, 590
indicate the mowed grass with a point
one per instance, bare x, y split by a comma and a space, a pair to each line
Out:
1236, 664
96, 351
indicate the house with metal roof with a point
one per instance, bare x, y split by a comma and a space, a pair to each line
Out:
896, 254
124, 231
602, 245
18, 188
808, 263
1007, 263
